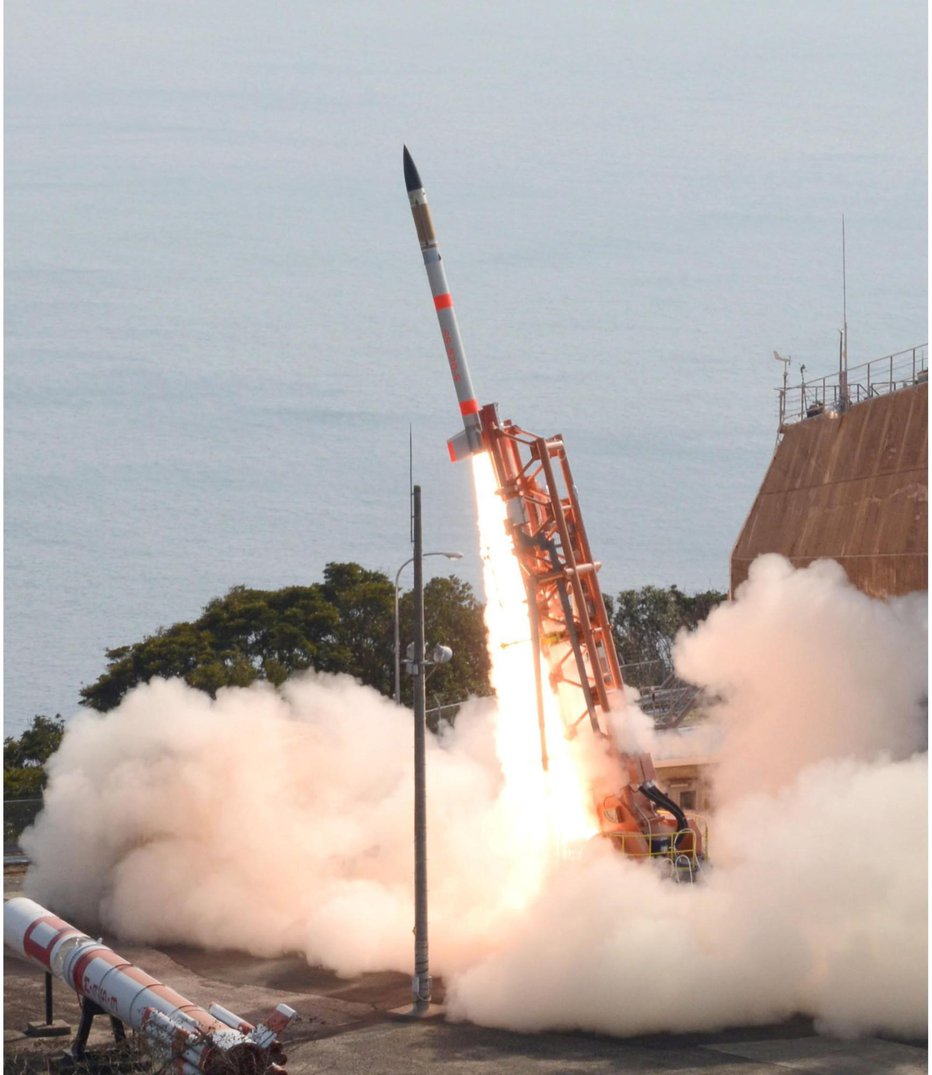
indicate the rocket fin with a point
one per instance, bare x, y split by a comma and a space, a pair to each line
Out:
459, 446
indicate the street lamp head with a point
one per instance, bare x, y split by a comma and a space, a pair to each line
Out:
410, 560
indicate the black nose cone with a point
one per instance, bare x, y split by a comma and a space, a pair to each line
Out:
412, 179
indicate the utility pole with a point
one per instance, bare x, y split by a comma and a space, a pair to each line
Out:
420, 984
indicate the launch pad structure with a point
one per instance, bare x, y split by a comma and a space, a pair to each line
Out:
560, 571
568, 623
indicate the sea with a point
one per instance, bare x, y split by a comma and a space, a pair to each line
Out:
219, 339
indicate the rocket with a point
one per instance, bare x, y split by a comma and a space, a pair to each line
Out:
569, 625
188, 1039
469, 441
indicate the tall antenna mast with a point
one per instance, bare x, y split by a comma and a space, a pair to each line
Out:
843, 400
844, 276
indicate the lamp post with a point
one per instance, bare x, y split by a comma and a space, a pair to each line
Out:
449, 556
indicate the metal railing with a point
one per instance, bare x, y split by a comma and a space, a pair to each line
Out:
669, 703
878, 377
663, 847
645, 674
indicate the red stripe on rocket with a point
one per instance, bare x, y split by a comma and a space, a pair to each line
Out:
469, 440
194, 1041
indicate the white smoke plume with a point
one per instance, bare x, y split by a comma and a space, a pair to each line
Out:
282, 821
809, 668
818, 899
272, 822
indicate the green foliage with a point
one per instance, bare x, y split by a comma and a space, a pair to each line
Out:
24, 758
364, 603
346, 624
26, 782
343, 624
645, 623
37, 743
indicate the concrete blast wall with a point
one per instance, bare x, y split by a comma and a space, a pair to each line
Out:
853, 488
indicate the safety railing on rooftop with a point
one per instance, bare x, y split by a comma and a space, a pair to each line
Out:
880, 376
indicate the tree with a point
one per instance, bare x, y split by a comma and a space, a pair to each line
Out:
24, 758
343, 624
364, 636
645, 623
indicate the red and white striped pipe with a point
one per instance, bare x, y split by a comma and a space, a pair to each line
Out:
187, 1038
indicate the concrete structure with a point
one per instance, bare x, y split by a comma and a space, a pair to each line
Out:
687, 781
852, 487
847, 483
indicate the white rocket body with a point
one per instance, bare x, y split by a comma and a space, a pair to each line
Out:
193, 1040
469, 440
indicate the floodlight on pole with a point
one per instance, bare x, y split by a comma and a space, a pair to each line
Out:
449, 556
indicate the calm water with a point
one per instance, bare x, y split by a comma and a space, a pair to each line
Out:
218, 330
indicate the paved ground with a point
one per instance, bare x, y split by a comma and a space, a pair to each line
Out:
350, 1026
